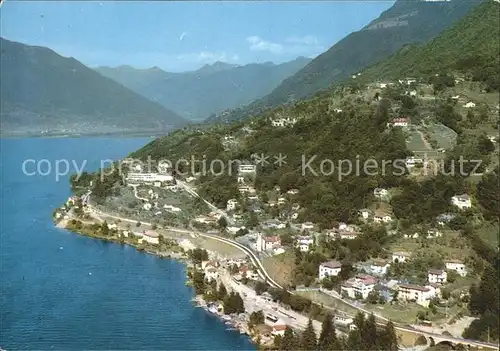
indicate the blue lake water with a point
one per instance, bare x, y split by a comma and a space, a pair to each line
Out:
62, 291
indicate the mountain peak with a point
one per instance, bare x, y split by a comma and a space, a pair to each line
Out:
216, 67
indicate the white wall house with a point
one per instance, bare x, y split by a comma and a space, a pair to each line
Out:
359, 286
265, 243
329, 269
283, 122
149, 237
457, 266
304, 243
231, 204
437, 276
247, 168
307, 226
400, 122
379, 267
470, 104
365, 213
380, 193
400, 257
419, 294
413, 161
461, 201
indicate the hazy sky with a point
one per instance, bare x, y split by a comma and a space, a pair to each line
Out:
179, 36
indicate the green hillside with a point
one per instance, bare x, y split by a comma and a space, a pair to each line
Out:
42, 91
471, 45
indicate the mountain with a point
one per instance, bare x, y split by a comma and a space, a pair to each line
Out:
406, 22
43, 92
209, 90
463, 47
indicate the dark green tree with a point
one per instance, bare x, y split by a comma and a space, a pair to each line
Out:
328, 336
289, 342
222, 292
308, 338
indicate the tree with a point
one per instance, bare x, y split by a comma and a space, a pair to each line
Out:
104, 228
222, 292
256, 318
222, 223
260, 287
233, 303
354, 341
308, 338
388, 340
369, 333
289, 342
328, 336
138, 224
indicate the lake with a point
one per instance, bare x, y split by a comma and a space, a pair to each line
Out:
64, 291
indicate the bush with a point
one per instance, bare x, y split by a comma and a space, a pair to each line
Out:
421, 340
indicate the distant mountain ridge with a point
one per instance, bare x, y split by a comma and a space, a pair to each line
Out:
406, 22
208, 90
43, 92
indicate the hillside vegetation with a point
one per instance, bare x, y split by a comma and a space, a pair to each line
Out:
43, 91
471, 45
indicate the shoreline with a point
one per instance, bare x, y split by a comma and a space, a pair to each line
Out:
197, 300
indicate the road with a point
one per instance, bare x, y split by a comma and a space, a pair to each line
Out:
263, 274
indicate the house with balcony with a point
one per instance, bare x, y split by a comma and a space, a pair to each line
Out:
400, 256
304, 243
437, 276
329, 269
457, 266
421, 295
358, 287
461, 201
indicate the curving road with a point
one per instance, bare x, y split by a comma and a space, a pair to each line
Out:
263, 274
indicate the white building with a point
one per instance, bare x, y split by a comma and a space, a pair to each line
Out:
307, 226
283, 122
470, 104
461, 201
416, 293
365, 213
246, 189
359, 286
164, 166
247, 168
304, 243
147, 206
437, 276
457, 266
412, 162
434, 233
231, 204
149, 237
172, 208
380, 193
400, 257
400, 122
211, 273
148, 177
347, 235
293, 192
265, 243
329, 269
379, 267
281, 201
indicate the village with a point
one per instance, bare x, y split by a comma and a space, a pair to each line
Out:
420, 276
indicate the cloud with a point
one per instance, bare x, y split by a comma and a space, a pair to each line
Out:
307, 45
306, 40
207, 57
259, 44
